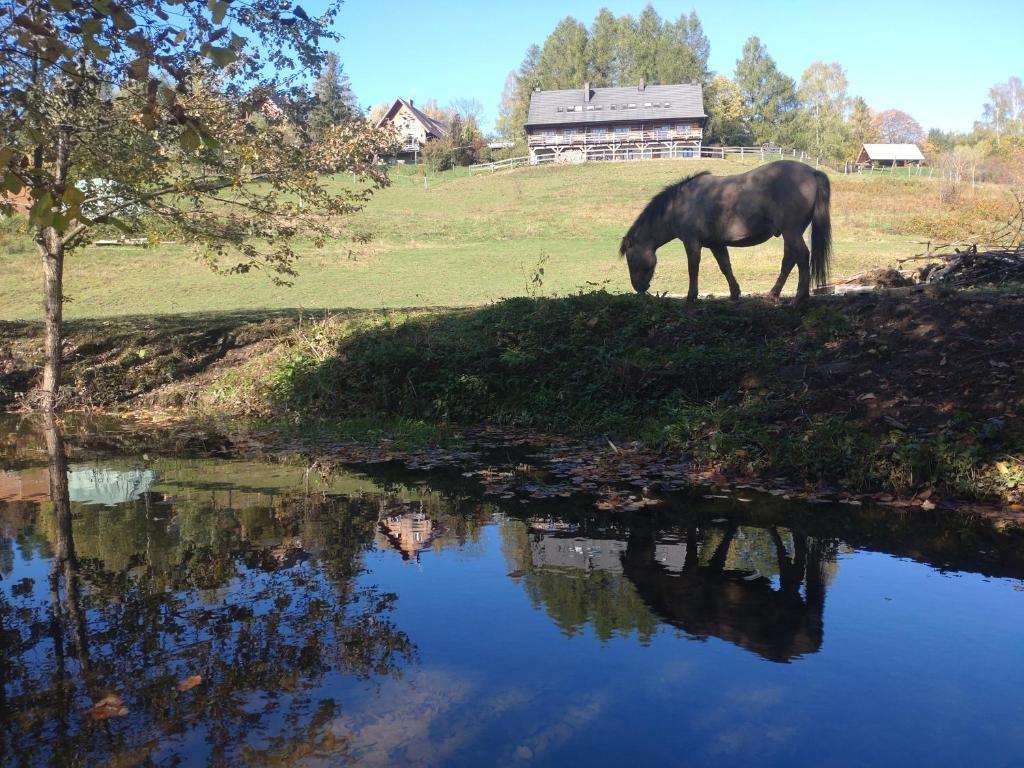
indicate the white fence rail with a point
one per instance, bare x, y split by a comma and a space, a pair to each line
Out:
765, 154
721, 152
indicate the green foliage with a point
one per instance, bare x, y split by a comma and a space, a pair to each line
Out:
590, 362
769, 96
724, 105
333, 102
821, 125
614, 51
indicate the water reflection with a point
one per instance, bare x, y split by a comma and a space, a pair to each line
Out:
316, 643
140, 597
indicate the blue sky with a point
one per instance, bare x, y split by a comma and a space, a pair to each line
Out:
935, 60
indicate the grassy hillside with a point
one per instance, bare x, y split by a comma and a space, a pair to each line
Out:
464, 241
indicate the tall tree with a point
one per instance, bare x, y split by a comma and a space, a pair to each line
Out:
1004, 110
897, 127
676, 62
769, 95
333, 100
563, 59
515, 103
825, 103
604, 50
861, 126
645, 42
157, 99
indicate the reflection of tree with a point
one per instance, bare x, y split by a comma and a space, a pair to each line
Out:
573, 597
707, 580
706, 597
262, 603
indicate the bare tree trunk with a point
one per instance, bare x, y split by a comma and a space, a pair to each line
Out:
51, 247
53, 296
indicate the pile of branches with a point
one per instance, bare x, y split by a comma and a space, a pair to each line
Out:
971, 264
974, 265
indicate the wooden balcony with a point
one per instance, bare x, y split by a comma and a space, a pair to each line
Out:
591, 137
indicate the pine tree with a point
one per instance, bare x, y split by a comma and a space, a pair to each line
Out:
333, 100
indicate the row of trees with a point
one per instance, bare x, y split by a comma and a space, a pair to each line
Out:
758, 104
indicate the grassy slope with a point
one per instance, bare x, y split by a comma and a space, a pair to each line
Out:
468, 241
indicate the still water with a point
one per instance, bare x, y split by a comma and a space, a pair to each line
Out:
247, 613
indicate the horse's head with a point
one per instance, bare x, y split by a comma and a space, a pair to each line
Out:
641, 260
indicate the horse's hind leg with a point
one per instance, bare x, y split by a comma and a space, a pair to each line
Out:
693, 266
722, 257
788, 262
796, 249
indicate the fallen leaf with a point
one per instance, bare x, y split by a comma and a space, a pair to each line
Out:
189, 683
109, 706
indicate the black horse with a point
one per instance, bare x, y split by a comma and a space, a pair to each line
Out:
779, 198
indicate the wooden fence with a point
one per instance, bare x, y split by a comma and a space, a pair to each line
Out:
764, 154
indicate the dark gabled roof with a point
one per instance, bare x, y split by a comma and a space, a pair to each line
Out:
606, 105
432, 125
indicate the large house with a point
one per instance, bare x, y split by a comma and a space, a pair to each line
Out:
415, 129
631, 123
889, 155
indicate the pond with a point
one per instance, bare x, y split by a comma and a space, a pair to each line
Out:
192, 611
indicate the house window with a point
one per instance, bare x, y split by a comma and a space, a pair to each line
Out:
569, 132
648, 104
621, 130
598, 131
631, 106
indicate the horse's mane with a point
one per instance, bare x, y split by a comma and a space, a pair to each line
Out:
657, 207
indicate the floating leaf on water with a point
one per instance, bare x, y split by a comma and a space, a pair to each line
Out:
109, 706
189, 683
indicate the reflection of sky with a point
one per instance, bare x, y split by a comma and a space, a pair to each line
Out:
916, 666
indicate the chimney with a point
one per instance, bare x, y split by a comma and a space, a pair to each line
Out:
642, 85
586, 92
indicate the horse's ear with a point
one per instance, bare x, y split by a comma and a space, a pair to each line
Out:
624, 246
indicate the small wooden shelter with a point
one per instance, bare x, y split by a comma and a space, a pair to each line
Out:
889, 155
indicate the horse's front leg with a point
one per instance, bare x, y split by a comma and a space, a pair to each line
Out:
722, 257
693, 265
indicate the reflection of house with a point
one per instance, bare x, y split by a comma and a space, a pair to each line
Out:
889, 155
638, 123
551, 551
108, 487
414, 128
409, 533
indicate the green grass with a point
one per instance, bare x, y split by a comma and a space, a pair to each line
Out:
467, 241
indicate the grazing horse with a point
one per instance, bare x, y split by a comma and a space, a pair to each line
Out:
714, 212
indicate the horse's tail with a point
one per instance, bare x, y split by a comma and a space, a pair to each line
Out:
821, 232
